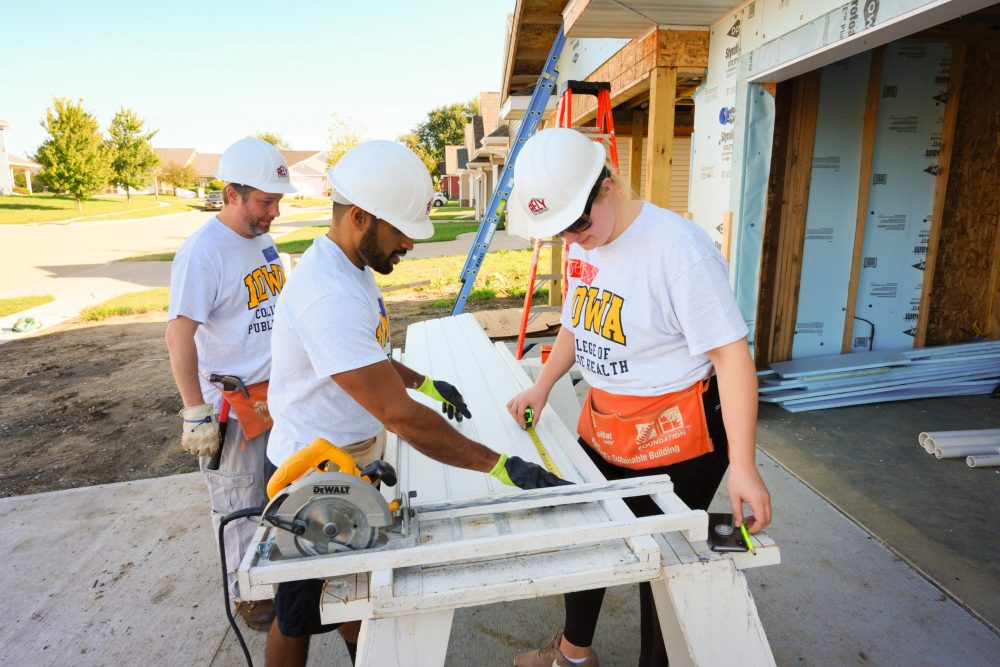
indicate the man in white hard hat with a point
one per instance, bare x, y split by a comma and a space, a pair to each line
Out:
333, 375
224, 282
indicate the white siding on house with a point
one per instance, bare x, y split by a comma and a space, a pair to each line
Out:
679, 173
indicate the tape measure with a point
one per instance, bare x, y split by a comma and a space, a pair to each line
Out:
529, 420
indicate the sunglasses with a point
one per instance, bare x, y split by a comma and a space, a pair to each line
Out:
584, 222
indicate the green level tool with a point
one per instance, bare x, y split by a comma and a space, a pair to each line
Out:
529, 420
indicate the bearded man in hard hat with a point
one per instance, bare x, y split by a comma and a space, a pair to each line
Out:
224, 283
333, 374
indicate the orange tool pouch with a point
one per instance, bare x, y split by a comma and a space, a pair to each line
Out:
640, 432
252, 412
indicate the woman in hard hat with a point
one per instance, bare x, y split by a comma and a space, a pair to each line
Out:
653, 325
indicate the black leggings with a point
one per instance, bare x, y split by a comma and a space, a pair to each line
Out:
695, 482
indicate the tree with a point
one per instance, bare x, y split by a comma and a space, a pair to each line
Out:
445, 126
273, 139
75, 157
178, 175
343, 136
132, 157
412, 142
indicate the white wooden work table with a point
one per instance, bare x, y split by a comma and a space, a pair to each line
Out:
482, 542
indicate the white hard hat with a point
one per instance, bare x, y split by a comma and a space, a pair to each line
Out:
389, 181
255, 163
553, 176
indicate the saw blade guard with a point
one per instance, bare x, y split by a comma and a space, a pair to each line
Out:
320, 455
325, 513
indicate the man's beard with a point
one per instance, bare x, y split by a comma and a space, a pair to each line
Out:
375, 258
256, 228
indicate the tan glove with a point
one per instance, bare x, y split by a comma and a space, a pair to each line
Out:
201, 430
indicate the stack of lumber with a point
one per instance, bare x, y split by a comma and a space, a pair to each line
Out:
883, 375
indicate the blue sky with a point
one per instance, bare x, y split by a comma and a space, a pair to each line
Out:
206, 74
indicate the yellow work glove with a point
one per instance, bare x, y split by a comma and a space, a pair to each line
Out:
200, 435
452, 403
515, 471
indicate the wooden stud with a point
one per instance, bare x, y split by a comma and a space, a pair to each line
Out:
727, 231
763, 331
635, 152
864, 187
794, 207
659, 154
940, 188
555, 267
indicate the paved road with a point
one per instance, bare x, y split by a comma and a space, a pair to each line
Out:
35, 254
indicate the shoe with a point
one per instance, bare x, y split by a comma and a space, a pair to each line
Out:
257, 614
551, 656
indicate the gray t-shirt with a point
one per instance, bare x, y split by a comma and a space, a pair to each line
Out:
229, 284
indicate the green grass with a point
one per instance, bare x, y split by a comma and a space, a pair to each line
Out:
451, 211
19, 303
135, 303
305, 202
504, 273
54, 208
298, 242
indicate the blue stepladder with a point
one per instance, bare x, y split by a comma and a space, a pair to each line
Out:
498, 201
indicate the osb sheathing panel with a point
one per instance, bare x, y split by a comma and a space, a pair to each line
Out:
622, 70
682, 48
963, 296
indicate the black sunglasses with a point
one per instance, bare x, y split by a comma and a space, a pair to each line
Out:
584, 222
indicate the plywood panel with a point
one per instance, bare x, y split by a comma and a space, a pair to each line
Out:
964, 294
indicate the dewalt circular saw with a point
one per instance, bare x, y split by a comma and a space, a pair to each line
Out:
322, 503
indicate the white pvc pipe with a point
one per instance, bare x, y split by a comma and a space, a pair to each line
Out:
989, 460
962, 440
965, 450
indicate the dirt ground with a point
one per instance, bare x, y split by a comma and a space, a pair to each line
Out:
94, 403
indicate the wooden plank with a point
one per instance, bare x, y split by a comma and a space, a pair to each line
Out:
556, 268
766, 289
864, 187
795, 204
955, 76
635, 152
663, 83
727, 232
504, 323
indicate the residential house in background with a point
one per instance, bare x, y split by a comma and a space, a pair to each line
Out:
453, 183
306, 169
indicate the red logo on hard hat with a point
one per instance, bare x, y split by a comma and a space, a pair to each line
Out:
282, 171
537, 205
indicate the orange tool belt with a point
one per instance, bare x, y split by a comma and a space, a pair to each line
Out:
640, 432
251, 412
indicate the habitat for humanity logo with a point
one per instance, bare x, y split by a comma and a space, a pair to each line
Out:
727, 115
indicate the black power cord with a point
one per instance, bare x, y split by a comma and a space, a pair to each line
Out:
238, 514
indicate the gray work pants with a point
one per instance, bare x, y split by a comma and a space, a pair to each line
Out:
239, 483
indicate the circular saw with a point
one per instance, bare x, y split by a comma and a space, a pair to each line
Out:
321, 503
